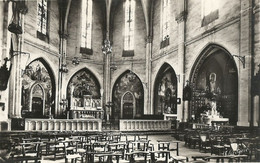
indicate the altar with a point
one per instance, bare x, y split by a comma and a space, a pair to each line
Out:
86, 108
212, 117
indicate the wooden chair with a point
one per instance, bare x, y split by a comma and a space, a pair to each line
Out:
204, 143
160, 156
28, 154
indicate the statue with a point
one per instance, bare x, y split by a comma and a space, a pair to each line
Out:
212, 82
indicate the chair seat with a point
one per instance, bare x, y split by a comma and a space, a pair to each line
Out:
73, 156
218, 146
81, 150
179, 158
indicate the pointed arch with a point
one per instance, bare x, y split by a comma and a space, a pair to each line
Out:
126, 100
83, 83
38, 72
32, 97
214, 79
165, 91
128, 81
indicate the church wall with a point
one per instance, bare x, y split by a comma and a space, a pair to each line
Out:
30, 26
257, 36
173, 33
74, 32
156, 65
228, 10
256, 58
118, 33
3, 43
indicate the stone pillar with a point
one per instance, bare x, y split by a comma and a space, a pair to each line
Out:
107, 78
147, 84
181, 19
256, 110
18, 60
245, 73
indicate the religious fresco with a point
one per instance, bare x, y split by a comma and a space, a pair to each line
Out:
83, 84
127, 84
165, 93
37, 91
214, 85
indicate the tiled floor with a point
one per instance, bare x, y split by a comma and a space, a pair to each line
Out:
183, 151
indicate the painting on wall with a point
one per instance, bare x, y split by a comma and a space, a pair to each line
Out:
128, 94
165, 93
83, 84
37, 91
215, 81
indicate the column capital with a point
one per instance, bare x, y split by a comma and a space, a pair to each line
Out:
181, 17
63, 35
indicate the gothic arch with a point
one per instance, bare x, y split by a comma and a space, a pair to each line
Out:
83, 83
124, 100
38, 72
165, 91
31, 96
214, 60
128, 81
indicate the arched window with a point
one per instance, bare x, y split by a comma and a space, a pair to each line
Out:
129, 25
165, 19
86, 23
42, 16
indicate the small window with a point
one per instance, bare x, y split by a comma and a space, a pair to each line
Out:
209, 11
129, 26
165, 23
86, 26
42, 19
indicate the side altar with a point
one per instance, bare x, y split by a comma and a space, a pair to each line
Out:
86, 108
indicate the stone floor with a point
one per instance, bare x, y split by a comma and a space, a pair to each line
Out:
183, 151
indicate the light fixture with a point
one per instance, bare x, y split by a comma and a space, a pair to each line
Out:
242, 59
106, 47
64, 68
75, 61
5, 74
64, 102
17, 8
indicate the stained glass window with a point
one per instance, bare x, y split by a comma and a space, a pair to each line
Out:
86, 23
129, 24
42, 18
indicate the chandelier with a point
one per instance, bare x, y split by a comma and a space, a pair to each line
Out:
106, 47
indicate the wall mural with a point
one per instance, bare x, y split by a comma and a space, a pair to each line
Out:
214, 85
83, 84
165, 93
128, 82
37, 91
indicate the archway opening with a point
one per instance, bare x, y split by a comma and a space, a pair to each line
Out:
83, 93
127, 97
165, 91
214, 82
38, 99
38, 90
128, 106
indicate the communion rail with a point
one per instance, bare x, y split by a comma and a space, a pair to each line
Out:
144, 125
63, 124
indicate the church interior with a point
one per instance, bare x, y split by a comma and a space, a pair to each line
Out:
129, 81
